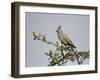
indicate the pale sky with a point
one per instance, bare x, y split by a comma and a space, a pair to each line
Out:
75, 26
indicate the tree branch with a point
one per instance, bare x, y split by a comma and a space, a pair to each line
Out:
62, 54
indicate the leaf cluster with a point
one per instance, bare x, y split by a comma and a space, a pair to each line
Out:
62, 54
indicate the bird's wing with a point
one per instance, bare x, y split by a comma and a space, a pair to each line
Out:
67, 39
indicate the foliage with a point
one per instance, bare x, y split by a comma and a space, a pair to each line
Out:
62, 54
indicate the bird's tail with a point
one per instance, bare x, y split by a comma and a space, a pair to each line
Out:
76, 55
72, 45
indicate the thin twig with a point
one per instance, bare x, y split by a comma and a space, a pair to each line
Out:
62, 58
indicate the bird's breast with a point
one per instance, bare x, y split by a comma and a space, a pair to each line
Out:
60, 37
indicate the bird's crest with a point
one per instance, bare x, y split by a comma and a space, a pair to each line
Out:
59, 28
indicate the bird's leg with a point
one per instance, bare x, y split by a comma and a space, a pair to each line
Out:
62, 49
62, 52
61, 44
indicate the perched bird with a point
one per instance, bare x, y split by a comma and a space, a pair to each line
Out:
64, 38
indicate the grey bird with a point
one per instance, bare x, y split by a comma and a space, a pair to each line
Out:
64, 39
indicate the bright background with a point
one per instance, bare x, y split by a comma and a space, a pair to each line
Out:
5, 40
75, 26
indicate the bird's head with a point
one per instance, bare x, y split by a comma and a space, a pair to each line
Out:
59, 29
